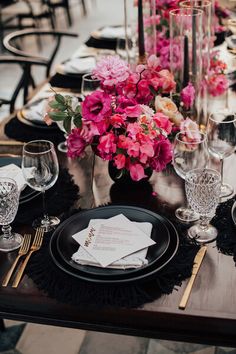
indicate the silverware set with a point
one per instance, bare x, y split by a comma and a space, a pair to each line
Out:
25, 250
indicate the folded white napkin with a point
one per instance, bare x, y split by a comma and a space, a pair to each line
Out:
134, 260
79, 65
14, 172
112, 32
35, 110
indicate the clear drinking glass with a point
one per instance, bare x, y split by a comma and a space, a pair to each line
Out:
221, 134
9, 201
203, 192
89, 84
188, 155
40, 169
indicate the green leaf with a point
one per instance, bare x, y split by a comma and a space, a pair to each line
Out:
67, 124
56, 105
57, 116
78, 109
77, 121
59, 98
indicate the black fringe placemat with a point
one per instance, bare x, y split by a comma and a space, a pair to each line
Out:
15, 129
59, 198
68, 289
226, 239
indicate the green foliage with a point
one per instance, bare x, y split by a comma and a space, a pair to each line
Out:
63, 111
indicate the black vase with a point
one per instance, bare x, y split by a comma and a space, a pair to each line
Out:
121, 176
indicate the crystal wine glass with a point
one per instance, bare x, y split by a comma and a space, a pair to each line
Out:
221, 133
89, 84
40, 169
9, 201
203, 193
188, 155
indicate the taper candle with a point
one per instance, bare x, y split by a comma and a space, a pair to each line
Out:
186, 63
141, 45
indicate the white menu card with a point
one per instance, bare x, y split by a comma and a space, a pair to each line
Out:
111, 239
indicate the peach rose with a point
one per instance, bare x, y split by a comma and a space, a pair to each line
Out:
169, 108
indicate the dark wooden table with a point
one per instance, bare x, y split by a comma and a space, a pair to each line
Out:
210, 316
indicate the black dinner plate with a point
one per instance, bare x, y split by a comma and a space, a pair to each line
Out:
233, 213
66, 245
141, 275
27, 193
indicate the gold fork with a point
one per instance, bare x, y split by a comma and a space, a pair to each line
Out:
38, 239
22, 251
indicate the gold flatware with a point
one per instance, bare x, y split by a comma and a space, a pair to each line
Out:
197, 263
38, 239
11, 143
22, 251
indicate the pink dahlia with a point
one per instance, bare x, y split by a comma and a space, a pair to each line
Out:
111, 70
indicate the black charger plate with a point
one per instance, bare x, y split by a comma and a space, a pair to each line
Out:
28, 193
66, 245
128, 275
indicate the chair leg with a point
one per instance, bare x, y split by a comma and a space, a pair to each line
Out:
67, 8
2, 325
84, 7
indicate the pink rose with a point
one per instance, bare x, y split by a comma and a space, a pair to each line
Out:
190, 130
167, 82
187, 95
96, 106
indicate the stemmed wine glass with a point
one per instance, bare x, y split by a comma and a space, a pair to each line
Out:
89, 84
9, 201
40, 169
221, 133
203, 193
187, 155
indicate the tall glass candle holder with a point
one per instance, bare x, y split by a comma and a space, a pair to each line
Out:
186, 55
206, 7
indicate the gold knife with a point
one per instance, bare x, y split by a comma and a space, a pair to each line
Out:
197, 263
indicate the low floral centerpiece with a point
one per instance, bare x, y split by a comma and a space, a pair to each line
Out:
130, 121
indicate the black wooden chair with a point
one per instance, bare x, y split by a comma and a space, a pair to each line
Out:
25, 81
13, 43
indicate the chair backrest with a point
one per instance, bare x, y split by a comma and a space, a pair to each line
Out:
25, 81
9, 43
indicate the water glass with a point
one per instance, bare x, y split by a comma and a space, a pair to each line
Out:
40, 169
9, 201
188, 155
89, 84
221, 133
203, 192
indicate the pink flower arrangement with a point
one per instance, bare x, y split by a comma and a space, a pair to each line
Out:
129, 122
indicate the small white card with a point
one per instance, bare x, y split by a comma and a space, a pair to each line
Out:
133, 260
112, 239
